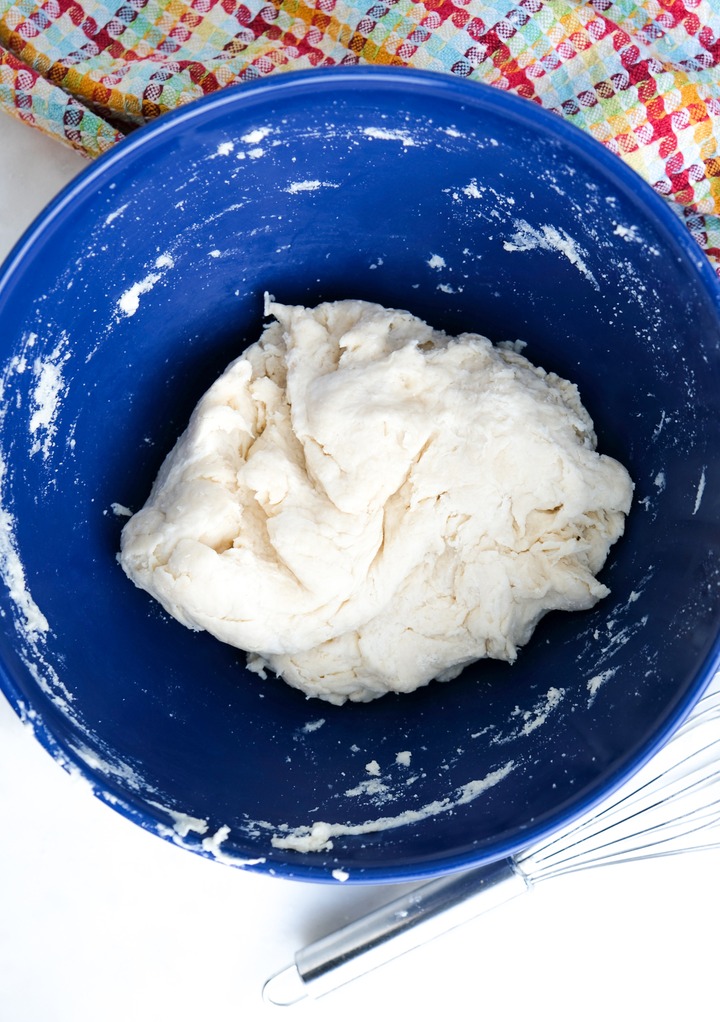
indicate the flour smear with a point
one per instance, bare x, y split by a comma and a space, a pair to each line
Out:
549, 239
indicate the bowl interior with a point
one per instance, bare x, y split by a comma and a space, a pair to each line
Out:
475, 211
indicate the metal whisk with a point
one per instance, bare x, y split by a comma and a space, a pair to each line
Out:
671, 805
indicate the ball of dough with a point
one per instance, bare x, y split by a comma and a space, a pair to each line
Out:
364, 504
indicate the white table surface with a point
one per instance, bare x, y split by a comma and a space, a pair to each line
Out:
103, 922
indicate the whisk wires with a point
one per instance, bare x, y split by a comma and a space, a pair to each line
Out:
671, 805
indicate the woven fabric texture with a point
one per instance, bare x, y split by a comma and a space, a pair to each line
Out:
642, 78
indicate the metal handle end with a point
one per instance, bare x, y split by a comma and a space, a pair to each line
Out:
284, 988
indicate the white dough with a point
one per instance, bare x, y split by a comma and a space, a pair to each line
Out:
364, 504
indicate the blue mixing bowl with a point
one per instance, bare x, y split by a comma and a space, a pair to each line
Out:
476, 211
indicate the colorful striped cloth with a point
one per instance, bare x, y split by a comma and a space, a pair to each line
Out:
643, 78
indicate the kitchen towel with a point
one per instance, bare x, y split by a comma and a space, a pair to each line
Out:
642, 78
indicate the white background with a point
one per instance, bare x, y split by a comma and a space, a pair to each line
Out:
102, 922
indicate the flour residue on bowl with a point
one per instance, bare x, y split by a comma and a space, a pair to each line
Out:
46, 391
373, 786
627, 233
129, 301
50, 387
604, 642
115, 214
614, 638
317, 837
31, 625
496, 205
391, 135
31, 621
550, 239
595, 683
523, 721
309, 186
246, 147
700, 492
535, 718
257, 135
45, 386
112, 767
312, 725
184, 826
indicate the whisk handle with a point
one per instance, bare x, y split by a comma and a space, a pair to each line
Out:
403, 924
